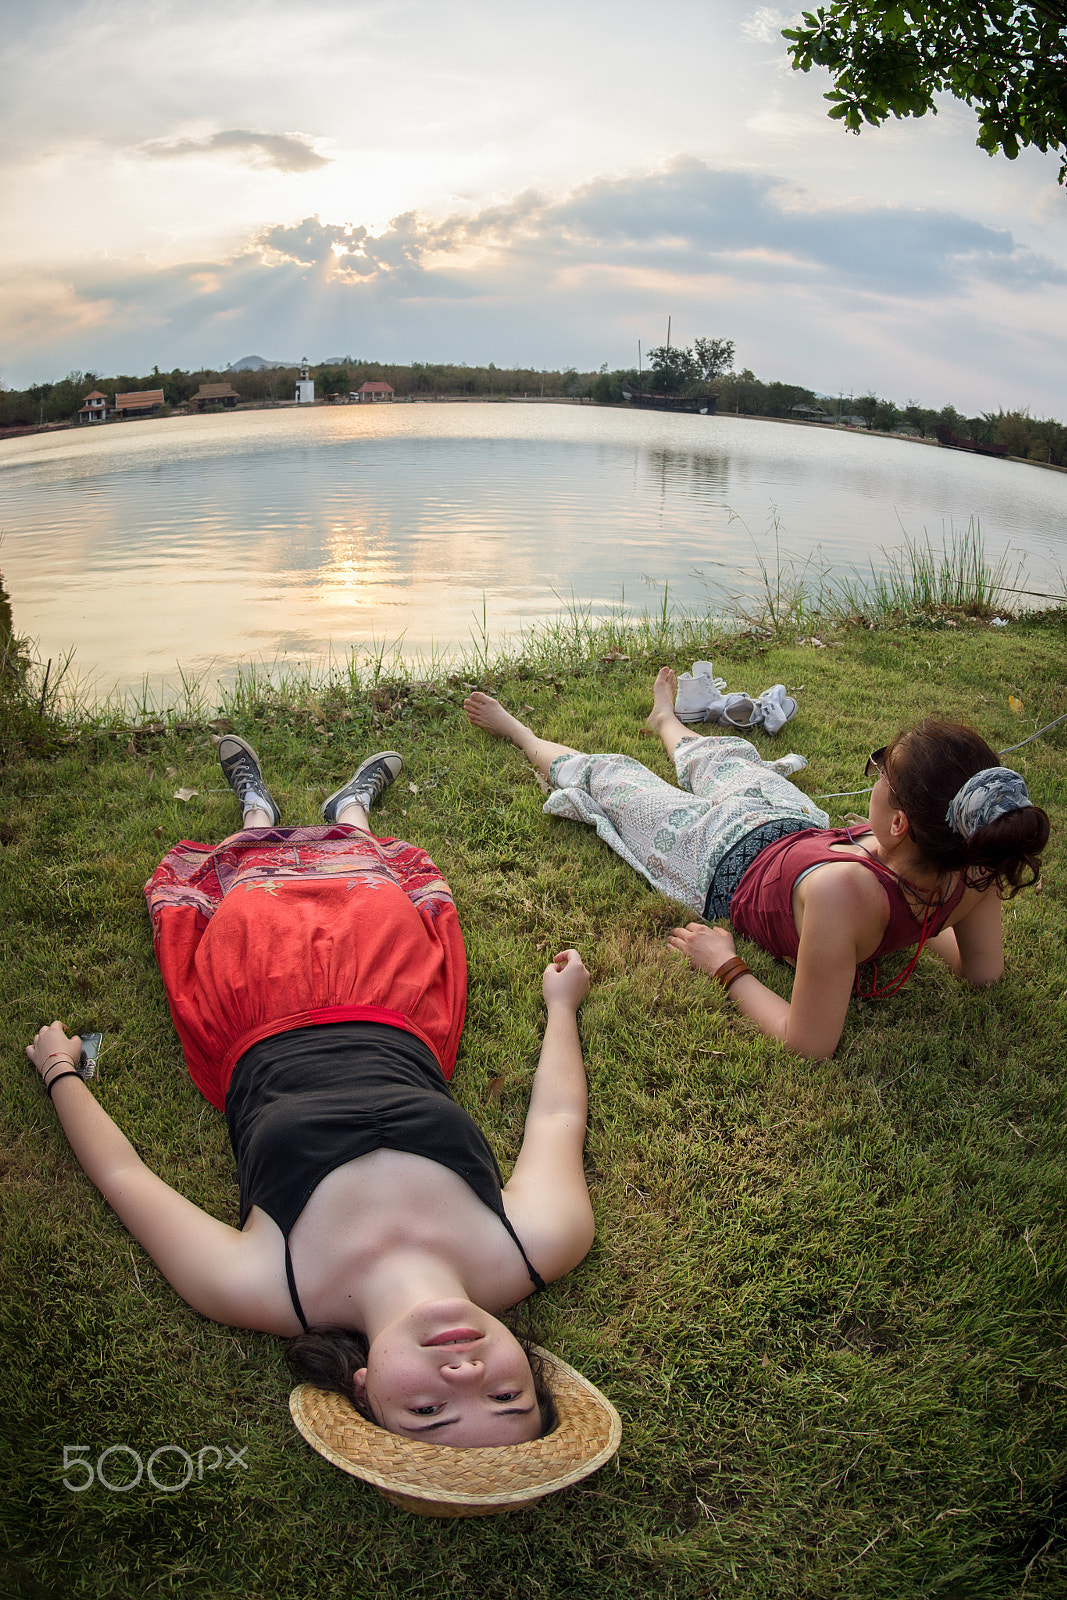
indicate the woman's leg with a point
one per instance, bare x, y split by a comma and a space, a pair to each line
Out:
662, 719
487, 713
352, 815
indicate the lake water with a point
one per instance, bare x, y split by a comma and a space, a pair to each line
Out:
283, 536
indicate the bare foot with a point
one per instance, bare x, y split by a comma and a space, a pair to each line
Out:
663, 692
487, 713
663, 719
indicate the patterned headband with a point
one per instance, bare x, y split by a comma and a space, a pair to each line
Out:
990, 794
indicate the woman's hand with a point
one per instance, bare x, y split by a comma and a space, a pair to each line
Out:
51, 1050
703, 947
546, 1197
566, 982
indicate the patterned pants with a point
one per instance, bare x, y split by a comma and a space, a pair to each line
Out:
677, 837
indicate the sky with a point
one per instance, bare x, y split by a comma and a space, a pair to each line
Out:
185, 184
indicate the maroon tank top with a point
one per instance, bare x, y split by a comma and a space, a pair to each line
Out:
762, 906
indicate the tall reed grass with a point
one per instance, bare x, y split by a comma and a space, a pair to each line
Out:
789, 595
919, 578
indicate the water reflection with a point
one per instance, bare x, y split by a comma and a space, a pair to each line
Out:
208, 540
704, 475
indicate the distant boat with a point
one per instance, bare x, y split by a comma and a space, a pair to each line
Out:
701, 405
952, 441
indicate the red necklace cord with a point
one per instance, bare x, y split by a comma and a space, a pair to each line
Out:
897, 983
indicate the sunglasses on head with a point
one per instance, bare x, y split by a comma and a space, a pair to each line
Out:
875, 767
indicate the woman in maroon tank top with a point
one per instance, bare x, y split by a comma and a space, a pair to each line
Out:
950, 833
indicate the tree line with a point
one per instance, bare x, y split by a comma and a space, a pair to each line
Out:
60, 401
705, 367
702, 370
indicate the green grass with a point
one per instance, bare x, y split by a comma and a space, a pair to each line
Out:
827, 1299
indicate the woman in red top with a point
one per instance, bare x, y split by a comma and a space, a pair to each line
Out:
949, 834
317, 980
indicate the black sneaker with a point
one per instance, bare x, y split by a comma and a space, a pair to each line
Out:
240, 768
367, 784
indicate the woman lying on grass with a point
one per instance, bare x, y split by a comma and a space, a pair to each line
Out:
949, 833
317, 980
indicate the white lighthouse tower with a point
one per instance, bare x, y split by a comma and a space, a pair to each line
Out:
305, 388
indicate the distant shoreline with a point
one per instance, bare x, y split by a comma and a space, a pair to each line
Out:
493, 400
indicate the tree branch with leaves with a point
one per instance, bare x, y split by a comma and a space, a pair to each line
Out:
887, 59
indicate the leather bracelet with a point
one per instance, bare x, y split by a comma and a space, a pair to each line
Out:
742, 972
59, 1078
730, 971
53, 1060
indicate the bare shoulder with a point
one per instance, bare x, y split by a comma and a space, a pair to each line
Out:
848, 882
847, 905
555, 1235
254, 1292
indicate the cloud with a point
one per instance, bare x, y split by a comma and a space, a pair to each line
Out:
764, 25
694, 220
860, 295
47, 311
348, 250
285, 152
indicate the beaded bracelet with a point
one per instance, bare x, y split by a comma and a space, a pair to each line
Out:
50, 1085
730, 971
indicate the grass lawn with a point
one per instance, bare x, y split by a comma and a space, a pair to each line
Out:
827, 1299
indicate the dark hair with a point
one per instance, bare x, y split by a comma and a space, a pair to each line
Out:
925, 768
328, 1358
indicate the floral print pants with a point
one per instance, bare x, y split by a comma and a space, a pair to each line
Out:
676, 837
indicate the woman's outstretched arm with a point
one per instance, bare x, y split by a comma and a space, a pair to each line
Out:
547, 1198
844, 918
201, 1257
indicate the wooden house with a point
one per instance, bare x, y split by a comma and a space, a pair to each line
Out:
139, 403
94, 408
215, 394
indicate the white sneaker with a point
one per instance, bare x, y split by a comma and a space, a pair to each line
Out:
699, 697
776, 708
740, 712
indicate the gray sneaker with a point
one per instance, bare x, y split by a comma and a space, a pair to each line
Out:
240, 768
366, 785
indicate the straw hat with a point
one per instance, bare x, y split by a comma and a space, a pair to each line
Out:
442, 1481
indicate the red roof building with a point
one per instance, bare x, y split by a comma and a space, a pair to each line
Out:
139, 403
94, 408
375, 391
